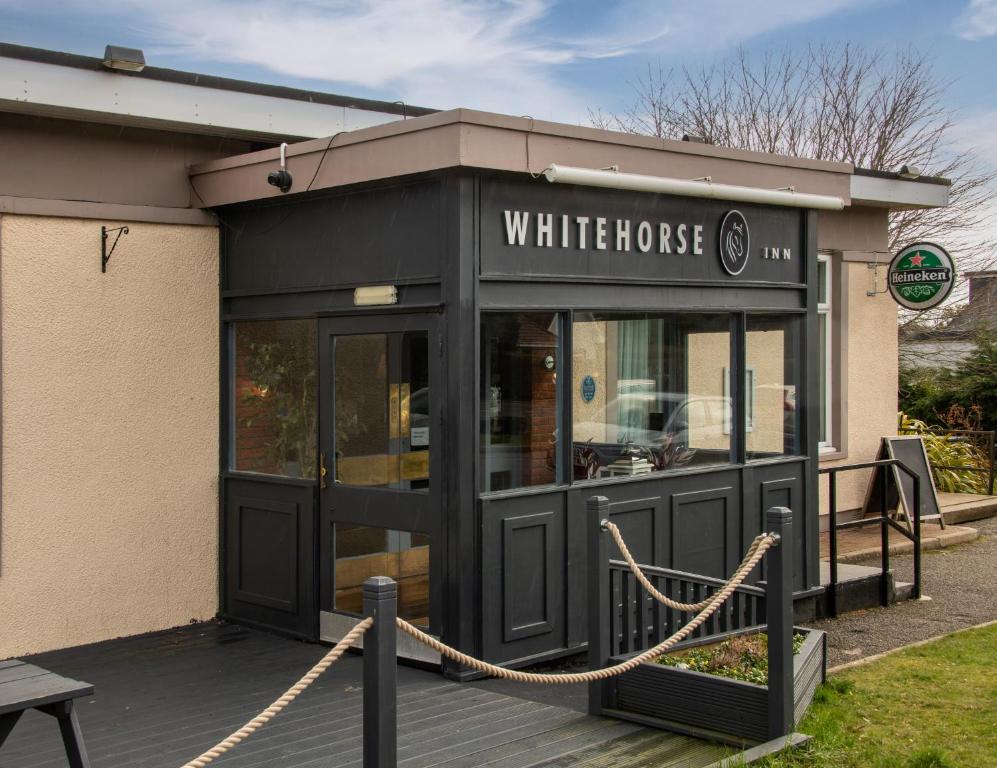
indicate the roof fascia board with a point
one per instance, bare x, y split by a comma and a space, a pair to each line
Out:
897, 194
36, 88
463, 138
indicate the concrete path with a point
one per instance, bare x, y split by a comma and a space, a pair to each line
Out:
960, 582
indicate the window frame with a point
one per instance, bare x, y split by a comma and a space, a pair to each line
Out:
825, 309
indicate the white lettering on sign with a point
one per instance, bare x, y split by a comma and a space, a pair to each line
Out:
583, 232
600, 233
515, 227
545, 230
664, 235
622, 235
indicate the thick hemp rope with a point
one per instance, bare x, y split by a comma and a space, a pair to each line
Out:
646, 583
289, 695
763, 542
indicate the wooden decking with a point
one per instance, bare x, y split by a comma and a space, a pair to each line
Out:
162, 699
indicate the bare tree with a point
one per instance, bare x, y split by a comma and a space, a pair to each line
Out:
840, 103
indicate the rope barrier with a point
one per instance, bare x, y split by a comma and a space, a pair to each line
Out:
646, 583
289, 695
706, 608
762, 544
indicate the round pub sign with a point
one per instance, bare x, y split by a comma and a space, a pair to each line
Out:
921, 276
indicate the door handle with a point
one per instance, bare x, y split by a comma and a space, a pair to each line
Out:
322, 471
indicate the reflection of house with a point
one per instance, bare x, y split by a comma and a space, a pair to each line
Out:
946, 345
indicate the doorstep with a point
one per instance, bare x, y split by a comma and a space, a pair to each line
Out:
965, 507
861, 544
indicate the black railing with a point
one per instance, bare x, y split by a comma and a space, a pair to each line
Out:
622, 622
983, 440
638, 621
885, 522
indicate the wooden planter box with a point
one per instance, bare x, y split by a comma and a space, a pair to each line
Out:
719, 708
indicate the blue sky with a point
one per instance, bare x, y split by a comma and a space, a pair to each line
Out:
549, 59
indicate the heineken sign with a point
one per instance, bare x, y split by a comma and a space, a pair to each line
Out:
921, 276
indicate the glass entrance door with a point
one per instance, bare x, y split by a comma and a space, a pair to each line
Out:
379, 446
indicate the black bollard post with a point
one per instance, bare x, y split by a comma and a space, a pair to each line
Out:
597, 510
380, 736
779, 617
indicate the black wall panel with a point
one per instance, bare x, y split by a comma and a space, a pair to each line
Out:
378, 235
268, 554
523, 589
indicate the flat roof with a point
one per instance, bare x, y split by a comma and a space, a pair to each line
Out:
483, 140
53, 83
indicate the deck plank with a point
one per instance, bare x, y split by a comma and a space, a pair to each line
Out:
163, 698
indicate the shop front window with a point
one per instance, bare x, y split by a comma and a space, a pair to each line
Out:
273, 411
518, 399
650, 393
771, 389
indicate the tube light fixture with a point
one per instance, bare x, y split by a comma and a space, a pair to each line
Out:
371, 295
590, 177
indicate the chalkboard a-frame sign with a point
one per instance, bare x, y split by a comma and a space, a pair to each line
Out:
910, 450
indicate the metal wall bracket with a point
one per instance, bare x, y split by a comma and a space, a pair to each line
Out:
105, 254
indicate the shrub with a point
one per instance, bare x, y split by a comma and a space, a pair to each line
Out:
949, 451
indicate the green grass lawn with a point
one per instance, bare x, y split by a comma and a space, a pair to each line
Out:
934, 706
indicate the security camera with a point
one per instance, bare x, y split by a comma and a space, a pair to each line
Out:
280, 179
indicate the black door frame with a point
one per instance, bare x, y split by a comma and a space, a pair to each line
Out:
382, 508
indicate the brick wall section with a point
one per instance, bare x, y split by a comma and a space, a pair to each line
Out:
541, 411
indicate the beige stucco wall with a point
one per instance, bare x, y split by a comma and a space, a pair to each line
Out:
871, 382
110, 431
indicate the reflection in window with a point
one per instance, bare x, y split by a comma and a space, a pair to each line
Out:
771, 356
382, 410
362, 552
518, 399
273, 398
649, 393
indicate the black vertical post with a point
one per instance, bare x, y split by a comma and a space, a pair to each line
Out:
832, 538
916, 523
380, 737
597, 510
884, 537
779, 617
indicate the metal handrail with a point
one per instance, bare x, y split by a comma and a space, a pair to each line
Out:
885, 524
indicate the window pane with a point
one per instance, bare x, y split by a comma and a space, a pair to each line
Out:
273, 400
824, 343
362, 552
771, 387
518, 399
649, 393
381, 405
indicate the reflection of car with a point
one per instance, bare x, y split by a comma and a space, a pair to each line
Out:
655, 415
418, 407
639, 420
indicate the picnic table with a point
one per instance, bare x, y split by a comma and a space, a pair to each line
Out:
25, 686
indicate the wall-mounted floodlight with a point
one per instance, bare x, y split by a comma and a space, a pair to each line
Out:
126, 59
909, 172
372, 295
590, 177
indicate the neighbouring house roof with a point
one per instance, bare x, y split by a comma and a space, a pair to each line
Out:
977, 316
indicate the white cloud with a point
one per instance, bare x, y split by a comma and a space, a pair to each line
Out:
978, 21
505, 55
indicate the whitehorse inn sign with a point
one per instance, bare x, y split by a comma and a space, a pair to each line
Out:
921, 276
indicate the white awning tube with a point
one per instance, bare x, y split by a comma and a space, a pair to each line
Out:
591, 177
